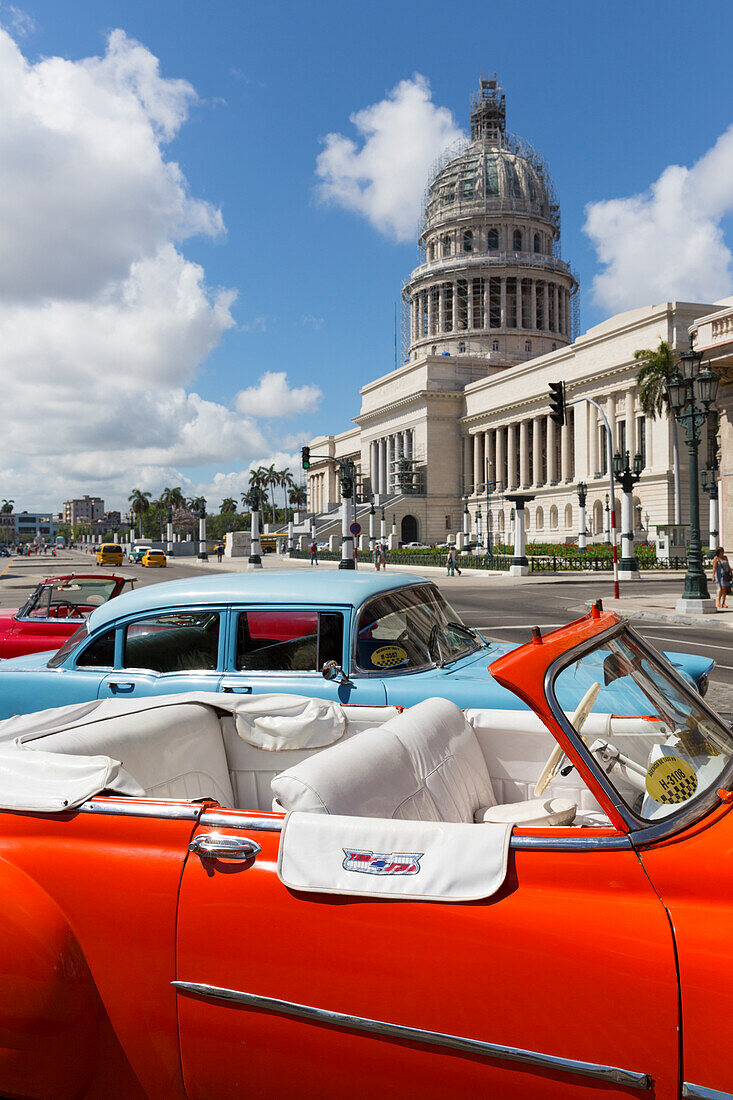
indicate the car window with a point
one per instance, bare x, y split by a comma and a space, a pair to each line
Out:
411, 628
288, 641
176, 642
68, 647
100, 653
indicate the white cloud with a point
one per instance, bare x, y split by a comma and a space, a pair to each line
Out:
667, 243
18, 20
272, 396
104, 322
384, 179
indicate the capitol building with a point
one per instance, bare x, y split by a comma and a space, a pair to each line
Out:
493, 319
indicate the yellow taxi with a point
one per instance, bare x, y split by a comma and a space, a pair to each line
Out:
109, 553
155, 558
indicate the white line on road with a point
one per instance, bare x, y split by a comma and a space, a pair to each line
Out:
702, 645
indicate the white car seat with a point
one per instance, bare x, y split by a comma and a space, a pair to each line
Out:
424, 764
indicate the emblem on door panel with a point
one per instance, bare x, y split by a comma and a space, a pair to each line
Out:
376, 863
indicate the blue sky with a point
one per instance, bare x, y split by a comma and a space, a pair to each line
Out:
611, 95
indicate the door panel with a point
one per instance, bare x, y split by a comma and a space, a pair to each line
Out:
130, 683
367, 692
565, 960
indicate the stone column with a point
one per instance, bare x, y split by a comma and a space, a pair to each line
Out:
630, 425
499, 458
469, 303
523, 453
383, 466
488, 467
454, 292
502, 302
431, 318
441, 308
551, 450
477, 463
557, 307
537, 451
511, 456
519, 566
546, 307
533, 304
565, 452
374, 465
593, 440
467, 469
519, 302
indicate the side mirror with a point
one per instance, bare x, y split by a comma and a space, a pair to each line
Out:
332, 670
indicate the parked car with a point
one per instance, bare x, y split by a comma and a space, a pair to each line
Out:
154, 558
414, 921
138, 551
352, 637
54, 610
109, 553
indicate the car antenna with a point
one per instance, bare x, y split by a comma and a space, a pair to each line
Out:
536, 636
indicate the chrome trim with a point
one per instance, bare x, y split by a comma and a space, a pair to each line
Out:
641, 830
241, 821
176, 812
221, 846
570, 843
699, 1092
629, 1078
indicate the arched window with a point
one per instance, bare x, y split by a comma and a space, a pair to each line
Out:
527, 345
408, 529
517, 240
435, 349
539, 519
494, 345
598, 518
468, 241
553, 518
446, 245
537, 243
568, 515
492, 241
462, 347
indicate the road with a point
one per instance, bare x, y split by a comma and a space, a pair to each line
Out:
501, 610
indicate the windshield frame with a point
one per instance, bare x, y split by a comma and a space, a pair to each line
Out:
641, 830
357, 670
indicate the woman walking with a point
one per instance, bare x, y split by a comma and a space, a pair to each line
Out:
722, 576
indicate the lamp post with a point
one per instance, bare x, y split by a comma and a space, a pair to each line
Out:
346, 475
691, 392
372, 523
255, 552
466, 525
519, 566
710, 486
203, 556
582, 497
383, 528
607, 528
627, 479
169, 532
479, 540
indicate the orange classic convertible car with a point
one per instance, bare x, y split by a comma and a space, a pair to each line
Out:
210, 896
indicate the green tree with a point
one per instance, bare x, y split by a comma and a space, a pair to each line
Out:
656, 367
228, 505
7, 506
285, 481
297, 496
139, 504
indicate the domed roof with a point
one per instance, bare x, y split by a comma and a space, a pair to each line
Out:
494, 171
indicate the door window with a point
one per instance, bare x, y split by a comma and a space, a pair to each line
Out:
288, 641
100, 653
182, 641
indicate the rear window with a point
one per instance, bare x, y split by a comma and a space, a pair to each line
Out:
288, 641
111, 547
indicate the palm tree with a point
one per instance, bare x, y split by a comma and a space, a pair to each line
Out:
139, 504
172, 497
7, 506
285, 481
257, 481
196, 505
228, 505
657, 366
297, 496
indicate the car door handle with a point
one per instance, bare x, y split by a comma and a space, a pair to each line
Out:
221, 846
236, 686
121, 685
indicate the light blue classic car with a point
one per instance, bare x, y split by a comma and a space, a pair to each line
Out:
355, 637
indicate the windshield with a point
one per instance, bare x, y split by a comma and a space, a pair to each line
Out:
69, 645
409, 629
659, 745
72, 598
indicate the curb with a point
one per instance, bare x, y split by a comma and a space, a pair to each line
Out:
664, 617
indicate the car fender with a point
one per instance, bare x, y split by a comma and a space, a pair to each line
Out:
52, 1021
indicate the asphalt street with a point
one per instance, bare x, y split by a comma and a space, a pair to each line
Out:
500, 609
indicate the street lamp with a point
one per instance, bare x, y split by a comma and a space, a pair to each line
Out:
607, 528
372, 521
582, 497
710, 486
255, 550
203, 556
479, 541
690, 393
627, 479
466, 524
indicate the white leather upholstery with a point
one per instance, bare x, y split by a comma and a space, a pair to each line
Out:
424, 764
536, 812
172, 751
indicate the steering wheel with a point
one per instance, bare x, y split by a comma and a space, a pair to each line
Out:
72, 609
552, 764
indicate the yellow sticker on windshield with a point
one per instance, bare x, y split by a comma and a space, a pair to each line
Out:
671, 780
389, 656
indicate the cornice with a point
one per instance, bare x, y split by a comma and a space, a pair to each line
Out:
405, 402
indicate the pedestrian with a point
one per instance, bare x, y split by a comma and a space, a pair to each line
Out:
377, 556
314, 553
219, 552
452, 562
722, 576
383, 555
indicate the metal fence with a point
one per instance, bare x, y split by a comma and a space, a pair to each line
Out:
538, 563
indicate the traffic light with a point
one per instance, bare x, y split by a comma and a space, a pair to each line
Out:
557, 402
306, 458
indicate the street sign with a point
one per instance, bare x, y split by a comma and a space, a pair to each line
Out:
355, 528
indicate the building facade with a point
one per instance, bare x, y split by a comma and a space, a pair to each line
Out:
465, 419
713, 336
84, 510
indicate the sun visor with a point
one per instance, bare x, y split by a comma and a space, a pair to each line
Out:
377, 857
